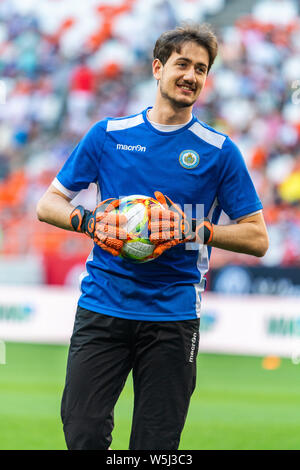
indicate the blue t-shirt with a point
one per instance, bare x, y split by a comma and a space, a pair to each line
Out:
195, 165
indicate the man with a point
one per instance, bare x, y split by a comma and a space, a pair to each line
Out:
144, 318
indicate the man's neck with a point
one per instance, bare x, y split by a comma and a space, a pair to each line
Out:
169, 116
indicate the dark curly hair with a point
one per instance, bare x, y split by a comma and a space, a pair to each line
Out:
172, 40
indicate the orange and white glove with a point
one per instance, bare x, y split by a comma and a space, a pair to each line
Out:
170, 226
103, 225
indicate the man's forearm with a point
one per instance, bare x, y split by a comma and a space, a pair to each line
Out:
55, 210
247, 237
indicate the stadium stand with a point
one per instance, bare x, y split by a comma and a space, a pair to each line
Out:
62, 69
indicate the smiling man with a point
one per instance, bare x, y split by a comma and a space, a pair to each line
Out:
182, 77
145, 317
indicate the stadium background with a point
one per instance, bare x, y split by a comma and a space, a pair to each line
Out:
66, 64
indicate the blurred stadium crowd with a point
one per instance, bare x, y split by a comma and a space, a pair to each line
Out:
66, 64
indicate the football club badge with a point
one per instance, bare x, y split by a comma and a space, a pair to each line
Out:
189, 159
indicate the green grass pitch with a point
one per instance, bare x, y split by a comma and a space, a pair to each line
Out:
236, 405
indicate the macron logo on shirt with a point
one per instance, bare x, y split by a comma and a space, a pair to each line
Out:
131, 148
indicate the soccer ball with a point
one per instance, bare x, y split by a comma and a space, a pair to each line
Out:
137, 248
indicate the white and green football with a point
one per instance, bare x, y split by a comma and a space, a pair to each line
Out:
137, 248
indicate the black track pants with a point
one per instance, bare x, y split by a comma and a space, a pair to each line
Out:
103, 350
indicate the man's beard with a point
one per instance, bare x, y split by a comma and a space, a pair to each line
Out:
174, 102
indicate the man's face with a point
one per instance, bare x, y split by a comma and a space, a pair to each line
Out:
183, 76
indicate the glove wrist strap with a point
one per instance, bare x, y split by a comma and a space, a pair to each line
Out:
203, 230
80, 220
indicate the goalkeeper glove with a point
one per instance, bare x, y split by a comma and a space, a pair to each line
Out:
170, 226
103, 225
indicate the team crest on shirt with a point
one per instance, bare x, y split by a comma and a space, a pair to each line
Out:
189, 159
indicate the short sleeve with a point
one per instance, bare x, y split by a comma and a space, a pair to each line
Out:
82, 166
236, 193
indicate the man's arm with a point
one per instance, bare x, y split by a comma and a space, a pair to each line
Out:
170, 226
55, 208
104, 225
249, 235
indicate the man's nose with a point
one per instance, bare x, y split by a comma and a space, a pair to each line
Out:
190, 75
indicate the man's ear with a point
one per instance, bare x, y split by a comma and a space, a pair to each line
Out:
157, 67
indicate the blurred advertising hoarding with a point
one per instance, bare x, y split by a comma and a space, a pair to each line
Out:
37, 314
250, 325
257, 280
